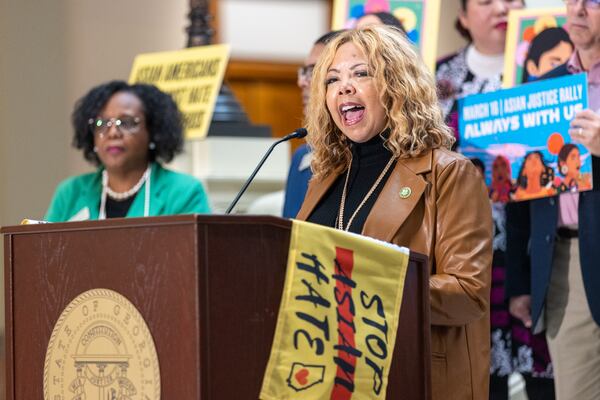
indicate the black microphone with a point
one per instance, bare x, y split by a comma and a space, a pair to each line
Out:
297, 134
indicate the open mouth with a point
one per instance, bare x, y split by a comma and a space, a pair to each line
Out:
352, 113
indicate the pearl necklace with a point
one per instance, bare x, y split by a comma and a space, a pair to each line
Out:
340, 221
128, 193
119, 196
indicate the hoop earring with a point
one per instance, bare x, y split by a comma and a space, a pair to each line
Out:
564, 169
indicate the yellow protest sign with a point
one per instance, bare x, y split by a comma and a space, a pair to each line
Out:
338, 317
191, 76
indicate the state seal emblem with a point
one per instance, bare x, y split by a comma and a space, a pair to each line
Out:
101, 349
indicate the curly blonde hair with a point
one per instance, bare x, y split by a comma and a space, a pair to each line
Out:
407, 92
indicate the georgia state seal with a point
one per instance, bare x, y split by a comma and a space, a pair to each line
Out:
101, 349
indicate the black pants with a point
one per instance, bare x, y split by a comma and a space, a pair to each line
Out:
536, 388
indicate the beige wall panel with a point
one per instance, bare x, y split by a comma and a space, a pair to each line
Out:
33, 120
449, 40
103, 37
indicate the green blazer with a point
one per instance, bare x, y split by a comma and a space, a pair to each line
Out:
78, 198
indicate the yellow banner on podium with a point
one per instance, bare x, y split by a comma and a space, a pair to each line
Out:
338, 317
191, 76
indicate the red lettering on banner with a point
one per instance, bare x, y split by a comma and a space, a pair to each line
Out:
347, 352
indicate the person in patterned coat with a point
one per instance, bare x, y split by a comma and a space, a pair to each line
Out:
477, 68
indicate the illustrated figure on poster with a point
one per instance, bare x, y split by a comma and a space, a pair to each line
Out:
385, 11
535, 178
549, 49
540, 35
501, 185
569, 166
379, 18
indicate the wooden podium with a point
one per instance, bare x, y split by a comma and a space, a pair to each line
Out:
208, 288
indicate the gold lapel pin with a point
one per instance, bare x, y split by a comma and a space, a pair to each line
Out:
405, 192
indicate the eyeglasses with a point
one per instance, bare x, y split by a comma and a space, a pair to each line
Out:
590, 4
305, 72
125, 125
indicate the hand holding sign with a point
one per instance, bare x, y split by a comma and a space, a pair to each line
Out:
585, 129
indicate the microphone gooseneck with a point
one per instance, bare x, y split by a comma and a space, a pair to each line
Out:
297, 134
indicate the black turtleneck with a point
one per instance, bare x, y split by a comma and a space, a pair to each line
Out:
368, 161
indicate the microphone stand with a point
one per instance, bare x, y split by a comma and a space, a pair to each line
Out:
298, 133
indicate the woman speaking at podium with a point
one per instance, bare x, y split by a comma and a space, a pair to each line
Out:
126, 130
382, 168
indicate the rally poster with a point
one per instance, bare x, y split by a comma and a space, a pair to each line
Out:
519, 137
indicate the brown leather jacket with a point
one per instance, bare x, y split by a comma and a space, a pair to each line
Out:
447, 217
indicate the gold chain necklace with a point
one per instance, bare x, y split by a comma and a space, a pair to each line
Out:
340, 221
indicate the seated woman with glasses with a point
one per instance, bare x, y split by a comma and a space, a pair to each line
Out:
126, 130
